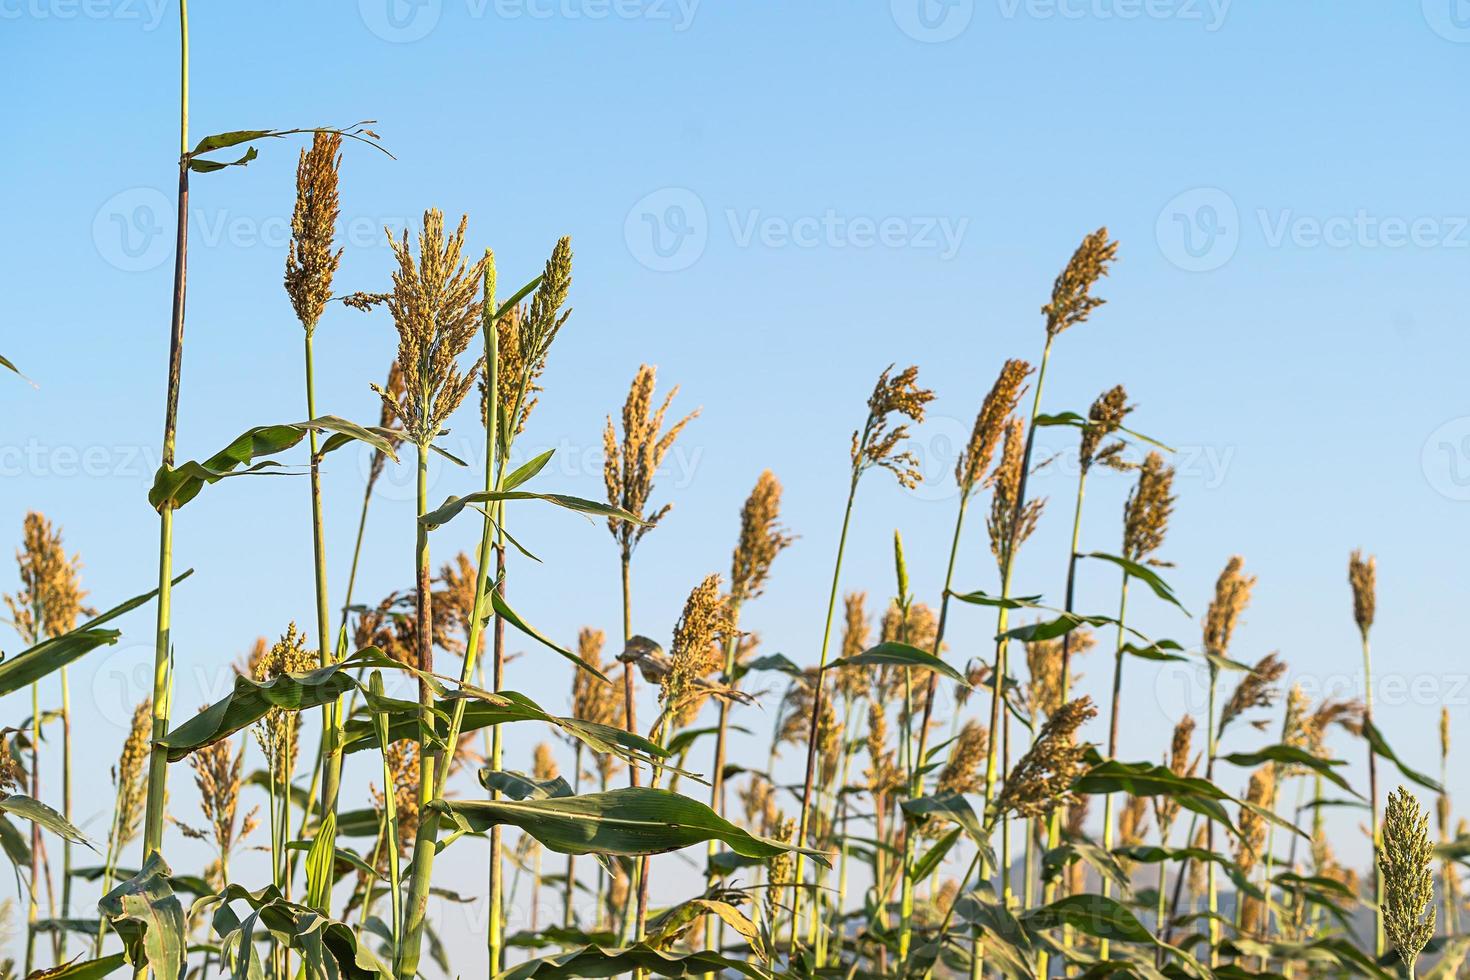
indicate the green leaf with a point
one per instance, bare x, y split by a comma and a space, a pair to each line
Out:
223, 141
251, 700
14, 843
211, 166
320, 863
633, 821
1381, 747
952, 808
505, 612
81, 969
597, 961
519, 786
147, 916
451, 508
29, 666
1080, 421
933, 857
526, 471
778, 662
329, 949
1161, 650
176, 487
1291, 755
900, 655
1147, 779
978, 598
1146, 575
1095, 915
42, 816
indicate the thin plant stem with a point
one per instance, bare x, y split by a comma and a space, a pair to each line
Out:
811, 752
425, 840
163, 650
1378, 944
1108, 829
66, 811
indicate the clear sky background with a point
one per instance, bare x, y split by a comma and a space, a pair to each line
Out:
772, 202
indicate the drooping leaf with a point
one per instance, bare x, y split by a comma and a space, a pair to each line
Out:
900, 655
1144, 574
1148, 779
42, 816
633, 821
329, 950
1380, 747
251, 700
519, 786
146, 914
1081, 421
505, 612
598, 961
932, 858
1095, 915
29, 666
979, 598
451, 508
321, 861
176, 487
81, 969
1294, 756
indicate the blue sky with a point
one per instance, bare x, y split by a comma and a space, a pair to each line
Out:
771, 202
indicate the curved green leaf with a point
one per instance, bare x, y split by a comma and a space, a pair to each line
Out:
1291, 755
147, 916
1144, 574
42, 816
505, 612
29, 666
81, 969
633, 821
900, 655
1380, 747
597, 961
1095, 915
176, 487
452, 507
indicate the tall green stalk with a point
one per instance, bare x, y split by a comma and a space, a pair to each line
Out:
416, 911
163, 651
811, 754
1378, 939
1108, 828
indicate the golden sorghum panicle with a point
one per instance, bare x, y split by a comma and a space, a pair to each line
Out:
796, 721
1348, 714
12, 773
882, 772
1042, 780
695, 655
218, 776
761, 539
436, 310
455, 602
50, 598
780, 868
1232, 595
1071, 294
543, 763
1008, 529
1133, 821
1181, 762
1146, 513
1408, 883
525, 334
628, 467
1044, 665
990, 424
310, 261
758, 799
961, 774
1103, 419
590, 699
1260, 792
852, 682
1256, 690
1363, 577
1198, 869
132, 774
877, 444
279, 733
